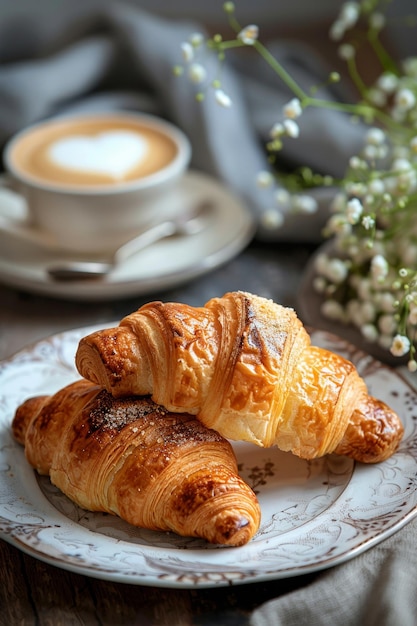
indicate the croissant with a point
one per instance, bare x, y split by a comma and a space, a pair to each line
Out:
132, 458
245, 367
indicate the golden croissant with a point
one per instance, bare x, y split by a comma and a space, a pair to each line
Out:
132, 458
245, 367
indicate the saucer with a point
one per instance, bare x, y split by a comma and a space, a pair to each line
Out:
163, 265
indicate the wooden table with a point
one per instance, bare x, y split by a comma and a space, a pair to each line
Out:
35, 593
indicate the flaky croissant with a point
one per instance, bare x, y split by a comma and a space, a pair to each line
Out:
132, 458
246, 367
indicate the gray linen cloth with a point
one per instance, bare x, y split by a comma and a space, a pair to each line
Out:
377, 588
122, 58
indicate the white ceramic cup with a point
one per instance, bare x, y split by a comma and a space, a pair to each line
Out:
90, 182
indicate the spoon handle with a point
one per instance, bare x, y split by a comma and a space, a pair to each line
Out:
144, 239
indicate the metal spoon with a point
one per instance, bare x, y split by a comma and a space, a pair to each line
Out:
187, 224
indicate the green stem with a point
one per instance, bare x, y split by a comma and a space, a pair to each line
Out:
282, 73
356, 78
387, 63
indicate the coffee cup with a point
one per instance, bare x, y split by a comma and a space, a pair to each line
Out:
91, 182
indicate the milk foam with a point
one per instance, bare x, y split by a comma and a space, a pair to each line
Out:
111, 153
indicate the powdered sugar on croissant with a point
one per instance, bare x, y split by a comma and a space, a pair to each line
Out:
134, 459
245, 367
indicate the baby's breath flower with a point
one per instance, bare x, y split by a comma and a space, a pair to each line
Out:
385, 341
376, 186
304, 204
377, 21
282, 196
354, 210
375, 136
386, 302
338, 225
332, 310
387, 324
338, 203
197, 73
291, 128
277, 130
196, 39
349, 14
400, 345
388, 82
293, 109
319, 284
337, 30
405, 99
412, 365
272, 219
222, 98
357, 163
264, 179
377, 97
187, 51
379, 267
249, 34
368, 222
346, 51
336, 270
410, 67
369, 332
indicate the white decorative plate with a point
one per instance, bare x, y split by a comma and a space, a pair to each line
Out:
163, 265
315, 514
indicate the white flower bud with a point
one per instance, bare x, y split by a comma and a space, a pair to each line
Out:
387, 324
187, 51
336, 270
291, 128
277, 130
197, 73
354, 210
272, 219
412, 366
349, 14
379, 267
249, 34
376, 187
400, 345
332, 310
377, 20
368, 222
304, 203
196, 39
386, 302
405, 99
388, 82
222, 98
346, 51
369, 332
264, 179
293, 109
375, 136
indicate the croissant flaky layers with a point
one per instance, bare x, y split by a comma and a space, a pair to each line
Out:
133, 458
245, 367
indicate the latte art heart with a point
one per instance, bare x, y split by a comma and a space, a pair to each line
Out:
111, 153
